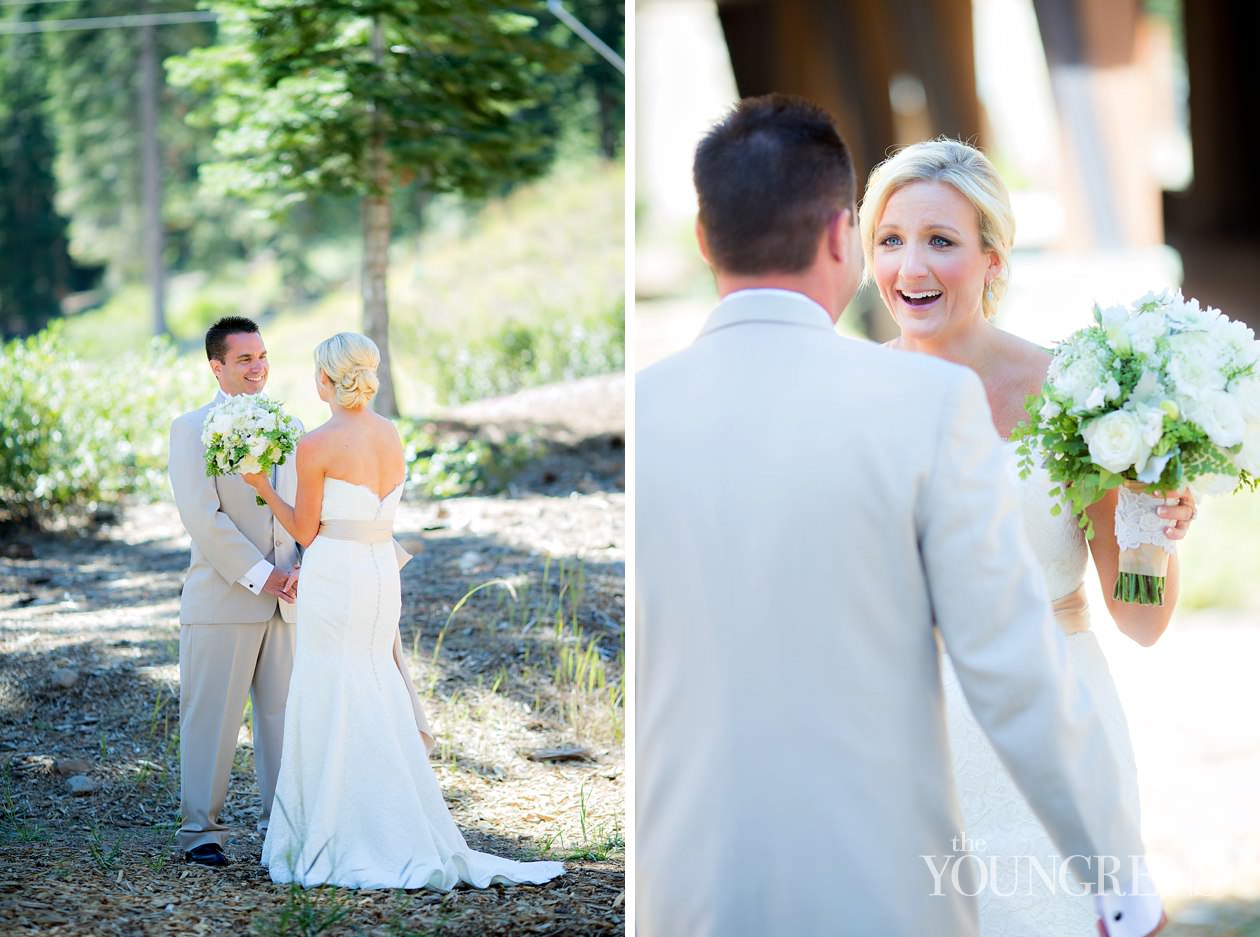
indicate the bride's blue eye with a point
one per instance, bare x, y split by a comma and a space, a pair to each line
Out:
893, 240
938, 241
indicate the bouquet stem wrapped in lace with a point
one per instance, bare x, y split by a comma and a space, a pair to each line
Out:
1144, 550
247, 434
1149, 399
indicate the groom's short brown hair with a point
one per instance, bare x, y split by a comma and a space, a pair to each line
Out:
217, 334
770, 177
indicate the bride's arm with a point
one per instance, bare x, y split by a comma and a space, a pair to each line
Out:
1143, 623
301, 519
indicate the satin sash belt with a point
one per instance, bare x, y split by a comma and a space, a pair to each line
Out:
358, 531
1072, 612
365, 532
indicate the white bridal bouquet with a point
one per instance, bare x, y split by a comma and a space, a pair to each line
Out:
1150, 398
247, 433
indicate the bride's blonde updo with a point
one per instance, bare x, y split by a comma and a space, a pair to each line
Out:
350, 360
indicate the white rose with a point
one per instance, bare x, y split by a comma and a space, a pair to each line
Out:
1115, 440
1219, 416
249, 466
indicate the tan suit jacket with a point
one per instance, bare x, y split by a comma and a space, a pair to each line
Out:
807, 507
230, 532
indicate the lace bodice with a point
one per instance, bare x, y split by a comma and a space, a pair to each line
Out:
345, 500
1057, 542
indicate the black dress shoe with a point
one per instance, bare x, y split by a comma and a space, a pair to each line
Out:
210, 854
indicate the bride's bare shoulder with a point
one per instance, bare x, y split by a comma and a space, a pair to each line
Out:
1030, 360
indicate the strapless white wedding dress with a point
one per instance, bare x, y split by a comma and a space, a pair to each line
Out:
1015, 901
356, 801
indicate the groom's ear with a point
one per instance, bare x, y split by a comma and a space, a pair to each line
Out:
838, 236
704, 244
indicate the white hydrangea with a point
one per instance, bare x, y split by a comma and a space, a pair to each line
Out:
1078, 373
1195, 364
1219, 416
1246, 393
1144, 331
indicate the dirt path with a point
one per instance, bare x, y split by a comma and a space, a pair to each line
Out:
89, 674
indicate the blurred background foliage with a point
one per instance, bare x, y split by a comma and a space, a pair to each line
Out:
514, 281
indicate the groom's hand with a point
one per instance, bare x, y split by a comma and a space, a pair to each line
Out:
277, 584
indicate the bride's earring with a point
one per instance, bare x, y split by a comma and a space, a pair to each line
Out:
988, 293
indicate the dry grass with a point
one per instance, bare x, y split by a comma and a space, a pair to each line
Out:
503, 686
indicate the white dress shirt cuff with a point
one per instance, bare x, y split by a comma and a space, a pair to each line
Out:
256, 578
1135, 914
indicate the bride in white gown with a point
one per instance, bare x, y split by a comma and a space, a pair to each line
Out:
937, 230
356, 802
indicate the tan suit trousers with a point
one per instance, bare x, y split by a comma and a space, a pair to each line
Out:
219, 666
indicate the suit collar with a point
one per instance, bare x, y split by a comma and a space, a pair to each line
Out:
777, 307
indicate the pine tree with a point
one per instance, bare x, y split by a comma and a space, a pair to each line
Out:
361, 96
597, 78
94, 103
34, 264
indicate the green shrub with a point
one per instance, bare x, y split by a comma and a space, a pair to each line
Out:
521, 355
453, 468
77, 435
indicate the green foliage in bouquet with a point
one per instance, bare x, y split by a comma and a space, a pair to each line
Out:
76, 436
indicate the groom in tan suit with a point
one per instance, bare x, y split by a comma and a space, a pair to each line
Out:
236, 635
813, 514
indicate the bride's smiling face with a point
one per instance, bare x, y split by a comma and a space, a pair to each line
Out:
930, 264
